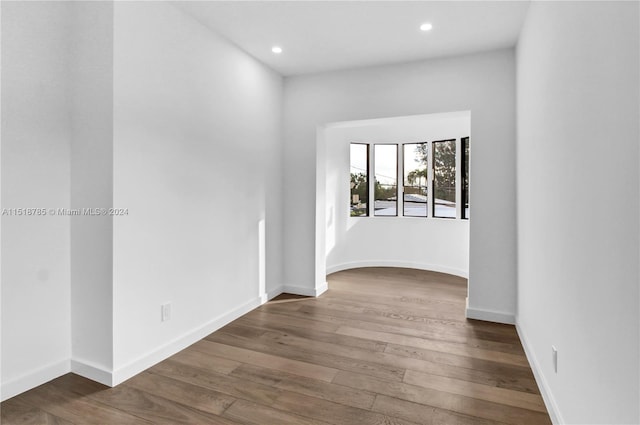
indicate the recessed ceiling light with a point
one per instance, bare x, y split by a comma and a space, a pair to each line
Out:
276, 49
426, 27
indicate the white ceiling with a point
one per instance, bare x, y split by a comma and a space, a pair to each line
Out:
319, 36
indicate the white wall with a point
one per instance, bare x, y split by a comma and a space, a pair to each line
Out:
578, 114
133, 105
91, 76
196, 162
426, 243
483, 84
36, 323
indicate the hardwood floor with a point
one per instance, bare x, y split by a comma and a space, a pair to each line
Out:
381, 346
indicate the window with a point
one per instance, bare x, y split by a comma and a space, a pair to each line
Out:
444, 179
415, 164
428, 180
464, 158
359, 179
386, 180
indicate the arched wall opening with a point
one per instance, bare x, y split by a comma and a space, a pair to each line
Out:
345, 242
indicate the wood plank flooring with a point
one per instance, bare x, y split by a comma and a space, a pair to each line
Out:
381, 346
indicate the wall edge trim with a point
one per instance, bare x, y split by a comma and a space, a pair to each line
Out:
34, 378
403, 264
545, 390
180, 343
489, 315
305, 291
274, 292
92, 371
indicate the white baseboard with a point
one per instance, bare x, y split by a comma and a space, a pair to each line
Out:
167, 350
33, 379
306, 291
297, 290
322, 289
99, 374
275, 292
490, 315
547, 396
92, 371
403, 264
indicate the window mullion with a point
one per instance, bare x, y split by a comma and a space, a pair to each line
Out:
430, 194
458, 179
371, 180
400, 180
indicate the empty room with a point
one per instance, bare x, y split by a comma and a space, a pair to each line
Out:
320, 212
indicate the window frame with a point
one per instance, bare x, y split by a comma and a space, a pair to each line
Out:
460, 179
433, 177
427, 177
367, 176
464, 177
373, 181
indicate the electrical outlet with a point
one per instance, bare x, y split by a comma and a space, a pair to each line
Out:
554, 354
165, 312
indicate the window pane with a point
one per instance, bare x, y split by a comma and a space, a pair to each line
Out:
359, 179
444, 179
386, 181
415, 179
465, 177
